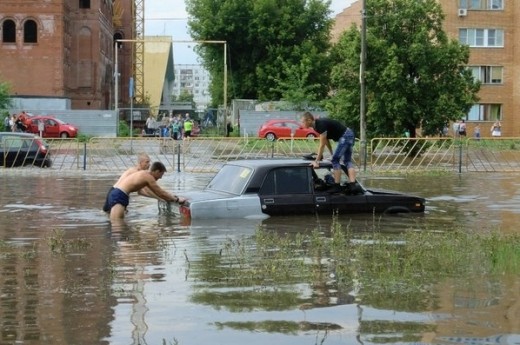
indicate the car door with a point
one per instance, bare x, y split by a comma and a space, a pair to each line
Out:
52, 128
282, 130
298, 130
287, 190
342, 202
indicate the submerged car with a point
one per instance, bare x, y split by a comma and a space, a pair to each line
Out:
254, 189
274, 129
51, 127
21, 149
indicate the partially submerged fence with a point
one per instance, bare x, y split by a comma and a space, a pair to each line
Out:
207, 154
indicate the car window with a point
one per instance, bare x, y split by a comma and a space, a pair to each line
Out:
292, 126
293, 180
14, 143
231, 179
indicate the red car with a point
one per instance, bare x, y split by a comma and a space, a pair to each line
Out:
274, 129
52, 127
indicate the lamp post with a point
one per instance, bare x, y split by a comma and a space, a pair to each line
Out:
362, 102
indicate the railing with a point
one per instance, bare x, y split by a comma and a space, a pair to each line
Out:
205, 154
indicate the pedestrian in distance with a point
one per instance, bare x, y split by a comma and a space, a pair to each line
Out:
476, 132
496, 129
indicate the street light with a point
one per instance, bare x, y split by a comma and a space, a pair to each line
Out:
362, 82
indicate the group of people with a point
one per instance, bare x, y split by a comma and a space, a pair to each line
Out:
17, 122
176, 127
141, 179
459, 129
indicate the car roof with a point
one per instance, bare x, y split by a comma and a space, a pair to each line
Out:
18, 134
274, 162
261, 168
280, 120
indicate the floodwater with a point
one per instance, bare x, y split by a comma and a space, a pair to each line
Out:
69, 277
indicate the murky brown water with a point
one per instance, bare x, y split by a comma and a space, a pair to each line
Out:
144, 282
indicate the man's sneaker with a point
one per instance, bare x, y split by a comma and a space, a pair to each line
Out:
354, 188
335, 188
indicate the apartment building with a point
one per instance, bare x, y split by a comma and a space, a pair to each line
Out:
195, 80
490, 29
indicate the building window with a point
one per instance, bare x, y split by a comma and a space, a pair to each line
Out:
482, 4
8, 31
482, 37
485, 112
84, 3
487, 74
30, 32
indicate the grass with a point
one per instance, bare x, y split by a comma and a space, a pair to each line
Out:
396, 271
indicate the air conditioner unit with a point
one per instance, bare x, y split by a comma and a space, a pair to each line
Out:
463, 12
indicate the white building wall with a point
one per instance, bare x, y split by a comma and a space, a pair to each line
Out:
195, 79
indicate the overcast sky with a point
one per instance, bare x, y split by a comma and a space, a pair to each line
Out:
169, 18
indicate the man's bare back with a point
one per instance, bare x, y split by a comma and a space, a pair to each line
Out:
135, 182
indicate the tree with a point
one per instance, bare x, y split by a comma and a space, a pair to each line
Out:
415, 75
5, 100
276, 48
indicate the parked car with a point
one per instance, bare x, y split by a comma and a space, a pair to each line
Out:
52, 127
274, 129
258, 189
21, 149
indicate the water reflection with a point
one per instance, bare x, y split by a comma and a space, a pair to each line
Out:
151, 279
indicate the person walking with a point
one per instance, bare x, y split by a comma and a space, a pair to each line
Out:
7, 127
330, 129
476, 132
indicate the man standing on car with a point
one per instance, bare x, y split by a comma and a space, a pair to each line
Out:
330, 129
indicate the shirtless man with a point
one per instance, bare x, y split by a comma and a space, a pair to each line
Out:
143, 163
118, 198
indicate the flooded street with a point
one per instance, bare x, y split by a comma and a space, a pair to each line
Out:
69, 277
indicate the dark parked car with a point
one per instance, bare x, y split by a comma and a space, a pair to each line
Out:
20, 149
52, 127
268, 187
274, 129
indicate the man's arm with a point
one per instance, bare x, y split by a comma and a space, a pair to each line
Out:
159, 192
146, 191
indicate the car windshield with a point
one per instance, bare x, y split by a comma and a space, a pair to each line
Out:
231, 179
59, 121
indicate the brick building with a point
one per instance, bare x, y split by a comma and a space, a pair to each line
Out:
489, 28
64, 49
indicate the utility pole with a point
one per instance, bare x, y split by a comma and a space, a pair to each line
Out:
362, 101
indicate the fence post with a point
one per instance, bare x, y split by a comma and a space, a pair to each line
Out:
178, 155
85, 155
460, 156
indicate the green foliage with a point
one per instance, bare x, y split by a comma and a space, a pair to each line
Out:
185, 96
124, 129
415, 75
275, 49
5, 100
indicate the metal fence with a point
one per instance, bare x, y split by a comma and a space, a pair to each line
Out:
207, 154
